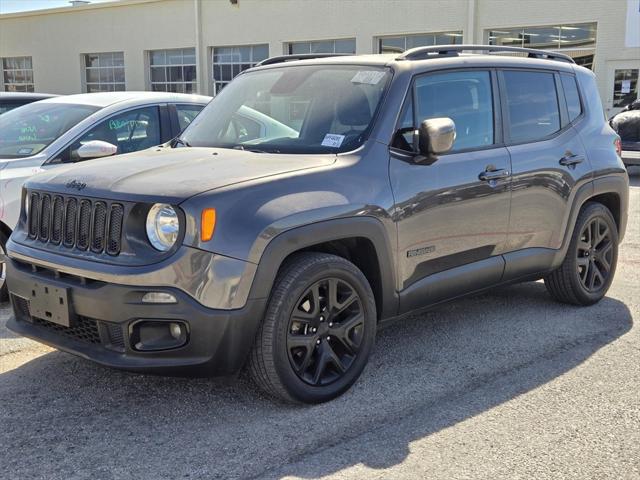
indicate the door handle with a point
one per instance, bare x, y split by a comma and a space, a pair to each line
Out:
570, 160
490, 175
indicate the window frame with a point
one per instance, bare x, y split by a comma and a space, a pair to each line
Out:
85, 83
560, 99
288, 45
379, 38
213, 85
411, 95
580, 97
29, 86
55, 158
174, 123
166, 65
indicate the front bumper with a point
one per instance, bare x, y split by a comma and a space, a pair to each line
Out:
218, 340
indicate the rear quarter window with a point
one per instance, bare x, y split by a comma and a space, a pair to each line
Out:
532, 104
571, 96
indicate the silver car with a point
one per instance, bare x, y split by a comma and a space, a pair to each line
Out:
63, 130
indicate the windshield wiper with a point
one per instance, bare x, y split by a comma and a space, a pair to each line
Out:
254, 150
179, 141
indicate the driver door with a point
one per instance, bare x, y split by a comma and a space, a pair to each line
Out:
452, 216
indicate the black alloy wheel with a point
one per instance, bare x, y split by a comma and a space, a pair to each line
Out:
588, 269
318, 330
325, 331
595, 255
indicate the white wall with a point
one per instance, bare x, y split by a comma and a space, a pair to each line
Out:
56, 38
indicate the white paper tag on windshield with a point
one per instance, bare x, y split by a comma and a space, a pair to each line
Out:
332, 140
369, 77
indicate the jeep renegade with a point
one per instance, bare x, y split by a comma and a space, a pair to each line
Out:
383, 184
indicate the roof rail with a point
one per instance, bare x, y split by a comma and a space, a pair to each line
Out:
300, 56
421, 53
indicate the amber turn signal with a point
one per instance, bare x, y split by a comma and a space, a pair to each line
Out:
208, 224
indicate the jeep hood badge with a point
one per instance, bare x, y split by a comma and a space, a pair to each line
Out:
76, 184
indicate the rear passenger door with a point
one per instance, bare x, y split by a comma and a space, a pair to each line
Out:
548, 159
452, 216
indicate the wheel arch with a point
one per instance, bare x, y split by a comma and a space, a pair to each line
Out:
612, 191
361, 240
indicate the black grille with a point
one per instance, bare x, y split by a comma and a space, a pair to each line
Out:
116, 336
76, 223
115, 229
56, 222
84, 329
45, 218
84, 225
21, 308
70, 223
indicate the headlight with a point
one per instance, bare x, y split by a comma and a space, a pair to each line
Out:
163, 226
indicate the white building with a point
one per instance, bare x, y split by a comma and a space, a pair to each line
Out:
199, 45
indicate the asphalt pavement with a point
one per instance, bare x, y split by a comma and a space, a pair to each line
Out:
508, 384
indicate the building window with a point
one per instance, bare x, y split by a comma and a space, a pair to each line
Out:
578, 38
401, 43
228, 62
17, 74
104, 72
347, 45
625, 87
173, 70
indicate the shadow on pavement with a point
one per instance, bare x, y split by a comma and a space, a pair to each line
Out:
64, 417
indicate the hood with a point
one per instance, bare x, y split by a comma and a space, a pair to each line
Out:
170, 174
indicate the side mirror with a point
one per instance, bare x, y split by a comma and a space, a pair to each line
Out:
96, 149
435, 136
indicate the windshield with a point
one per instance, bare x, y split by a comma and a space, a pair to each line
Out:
27, 130
301, 109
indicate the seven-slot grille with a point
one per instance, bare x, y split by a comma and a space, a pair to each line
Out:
80, 223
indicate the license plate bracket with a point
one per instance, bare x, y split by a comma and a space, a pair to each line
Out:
50, 303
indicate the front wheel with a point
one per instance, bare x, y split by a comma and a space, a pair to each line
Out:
588, 269
318, 331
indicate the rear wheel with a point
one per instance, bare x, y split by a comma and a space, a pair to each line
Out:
318, 331
589, 267
4, 292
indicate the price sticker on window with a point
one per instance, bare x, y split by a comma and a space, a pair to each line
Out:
332, 140
368, 77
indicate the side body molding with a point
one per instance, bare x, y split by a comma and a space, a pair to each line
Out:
290, 241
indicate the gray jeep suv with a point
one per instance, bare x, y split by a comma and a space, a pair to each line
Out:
371, 187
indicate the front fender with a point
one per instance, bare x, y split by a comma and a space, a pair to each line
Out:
290, 241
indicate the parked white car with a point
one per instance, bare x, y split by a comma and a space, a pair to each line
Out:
62, 130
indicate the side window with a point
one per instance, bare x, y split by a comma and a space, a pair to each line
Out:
466, 98
532, 103
186, 114
571, 95
129, 131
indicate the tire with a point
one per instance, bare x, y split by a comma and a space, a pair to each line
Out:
4, 292
300, 336
590, 264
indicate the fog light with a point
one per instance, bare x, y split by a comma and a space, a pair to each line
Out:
158, 297
176, 330
152, 335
